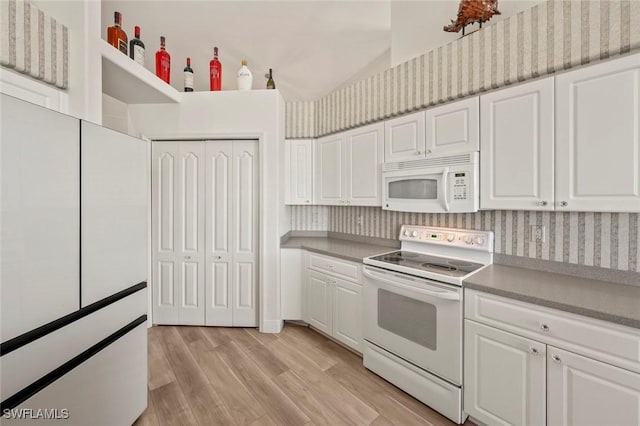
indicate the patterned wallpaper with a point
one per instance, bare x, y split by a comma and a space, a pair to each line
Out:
608, 240
550, 37
33, 43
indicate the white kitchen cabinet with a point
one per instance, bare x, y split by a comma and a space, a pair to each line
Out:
330, 170
204, 218
598, 137
291, 284
333, 298
348, 167
517, 143
40, 216
347, 313
504, 377
404, 137
582, 391
299, 170
319, 294
364, 151
453, 128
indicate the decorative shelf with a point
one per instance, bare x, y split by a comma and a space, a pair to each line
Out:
131, 83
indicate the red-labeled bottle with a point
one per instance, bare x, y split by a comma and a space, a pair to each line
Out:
215, 72
163, 63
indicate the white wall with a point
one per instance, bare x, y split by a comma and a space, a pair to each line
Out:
223, 115
82, 18
416, 26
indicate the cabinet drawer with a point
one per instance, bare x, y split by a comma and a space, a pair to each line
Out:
608, 342
335, 267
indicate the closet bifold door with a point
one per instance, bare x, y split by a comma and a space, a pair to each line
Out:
232, 234
178, 232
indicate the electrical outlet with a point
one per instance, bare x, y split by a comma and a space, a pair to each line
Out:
537, 233
360, 220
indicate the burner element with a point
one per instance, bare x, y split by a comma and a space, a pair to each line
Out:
459, 263
437, 266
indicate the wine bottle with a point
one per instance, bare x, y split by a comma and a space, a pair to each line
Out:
116, 35
215, 72
245, 78
270, 83
163, 62
188, 77
136, 47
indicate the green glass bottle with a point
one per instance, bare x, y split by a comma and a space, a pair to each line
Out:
270, 83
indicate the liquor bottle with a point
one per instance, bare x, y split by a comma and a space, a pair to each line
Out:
163, 63
188, 77
116, 35
136, 47
215, 72
270, 83
245, 78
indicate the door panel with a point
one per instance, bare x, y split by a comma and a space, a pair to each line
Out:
453, 128
364, 165
504, 377
219, 226
165, 196
319, 301
245, 225
330, 170
598, 137
585, 392
405, 138
190, 186
517, 165
299, 169
347, 314
165, 284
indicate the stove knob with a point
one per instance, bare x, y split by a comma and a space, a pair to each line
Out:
414, 234
479, 240
406, 232
450, 237
468, 239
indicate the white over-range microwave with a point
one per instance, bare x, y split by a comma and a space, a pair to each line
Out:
438, 184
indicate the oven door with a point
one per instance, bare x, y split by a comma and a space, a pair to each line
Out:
416, 319
416, 191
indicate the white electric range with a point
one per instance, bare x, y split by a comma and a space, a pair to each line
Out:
413, 312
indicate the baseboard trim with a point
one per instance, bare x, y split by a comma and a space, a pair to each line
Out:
271, 326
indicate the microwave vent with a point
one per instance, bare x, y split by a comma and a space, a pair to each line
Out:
450, 160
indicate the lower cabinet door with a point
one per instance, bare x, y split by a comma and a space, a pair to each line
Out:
347, 313
504, 377
319, 301
582, 391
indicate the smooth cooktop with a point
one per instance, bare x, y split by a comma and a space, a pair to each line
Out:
425, 262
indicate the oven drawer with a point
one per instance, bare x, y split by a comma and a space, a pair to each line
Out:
333, 266
605, 341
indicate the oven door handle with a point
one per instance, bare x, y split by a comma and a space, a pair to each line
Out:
446, 295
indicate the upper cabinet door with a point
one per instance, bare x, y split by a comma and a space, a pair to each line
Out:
364, 165
453, 128
330, 170
404, 138
582, 391
598, 137
39, 216
299, 169
516, 154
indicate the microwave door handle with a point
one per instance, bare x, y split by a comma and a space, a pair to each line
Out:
445, 189
446, 295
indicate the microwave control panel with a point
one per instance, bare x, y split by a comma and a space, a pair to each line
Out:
460, 182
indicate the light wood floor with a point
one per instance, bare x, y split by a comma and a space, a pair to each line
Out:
238, 376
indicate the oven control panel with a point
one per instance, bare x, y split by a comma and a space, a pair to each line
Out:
463, 238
